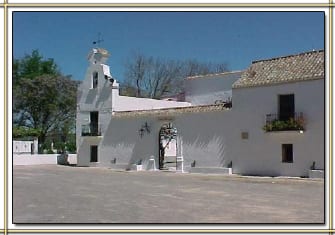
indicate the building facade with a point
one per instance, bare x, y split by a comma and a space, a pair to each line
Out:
266, 120
282, 101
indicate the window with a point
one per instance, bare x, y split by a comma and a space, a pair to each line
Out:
286, 107
95, 80
287, 153
245, 135
94, 123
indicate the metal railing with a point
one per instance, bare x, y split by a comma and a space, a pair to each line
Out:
91, 129
284, 122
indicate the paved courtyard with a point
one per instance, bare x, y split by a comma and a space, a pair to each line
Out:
63, 194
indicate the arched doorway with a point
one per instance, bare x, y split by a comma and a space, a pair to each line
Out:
168, 147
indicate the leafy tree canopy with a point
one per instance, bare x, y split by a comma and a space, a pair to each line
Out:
43, 99
31, 66
21, 132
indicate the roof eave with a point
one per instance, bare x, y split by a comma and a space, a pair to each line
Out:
264, 84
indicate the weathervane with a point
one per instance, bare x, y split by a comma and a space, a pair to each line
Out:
100, 39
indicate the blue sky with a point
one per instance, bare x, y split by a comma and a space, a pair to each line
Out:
235, 38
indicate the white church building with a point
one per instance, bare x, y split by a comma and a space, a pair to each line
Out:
266, 120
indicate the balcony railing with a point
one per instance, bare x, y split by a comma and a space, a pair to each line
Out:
291, 122
91, 129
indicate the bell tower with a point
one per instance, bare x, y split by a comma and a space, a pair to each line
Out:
98, 56
97, 95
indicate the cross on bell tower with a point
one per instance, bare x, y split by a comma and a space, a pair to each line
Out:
100, 39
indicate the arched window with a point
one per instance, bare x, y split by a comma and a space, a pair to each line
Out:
95, 80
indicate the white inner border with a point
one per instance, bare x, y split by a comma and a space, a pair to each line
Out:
235, 227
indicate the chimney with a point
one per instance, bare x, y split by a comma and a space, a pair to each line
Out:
113, 95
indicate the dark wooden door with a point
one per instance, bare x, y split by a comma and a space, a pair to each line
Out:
94, 153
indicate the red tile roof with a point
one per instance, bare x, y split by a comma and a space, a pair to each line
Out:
292, 68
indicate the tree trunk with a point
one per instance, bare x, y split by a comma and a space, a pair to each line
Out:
41, 140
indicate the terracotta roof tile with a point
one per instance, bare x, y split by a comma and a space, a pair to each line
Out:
300, 67
211, 75
171, 111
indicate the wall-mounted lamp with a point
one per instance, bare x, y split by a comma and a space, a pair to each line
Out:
144, 128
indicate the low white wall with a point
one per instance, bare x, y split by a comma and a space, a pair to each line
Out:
40, 159
25, 146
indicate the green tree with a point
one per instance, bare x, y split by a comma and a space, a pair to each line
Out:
22, 132
46, 103
43, 99
32, 66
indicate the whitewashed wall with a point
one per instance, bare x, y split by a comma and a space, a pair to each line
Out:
213, 139
40, 159
30, 146
125, 103
204, 90
205, 139
261, 154
123, 142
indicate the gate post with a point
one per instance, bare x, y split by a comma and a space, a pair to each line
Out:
180, 158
